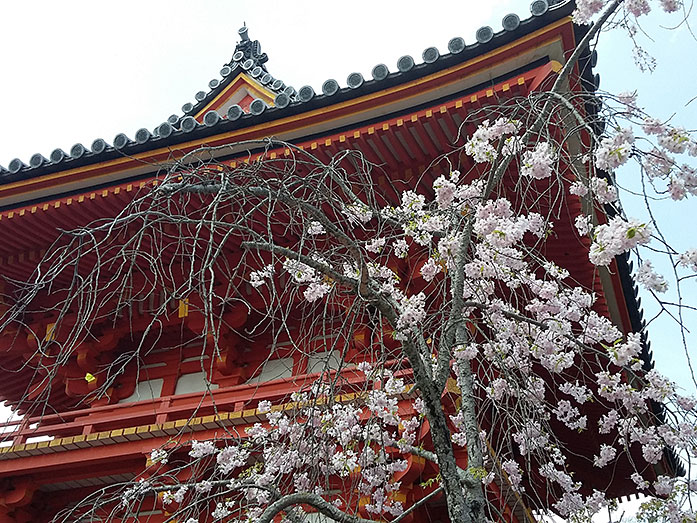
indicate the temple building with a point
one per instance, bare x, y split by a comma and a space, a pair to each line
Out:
69, 442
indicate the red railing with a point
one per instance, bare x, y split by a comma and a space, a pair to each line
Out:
176, 407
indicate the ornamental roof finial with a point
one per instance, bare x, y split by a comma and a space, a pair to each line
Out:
243, 32
248, 51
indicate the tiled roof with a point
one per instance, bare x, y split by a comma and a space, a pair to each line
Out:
248, 58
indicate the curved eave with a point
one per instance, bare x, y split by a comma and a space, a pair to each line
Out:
477, 63
636, 316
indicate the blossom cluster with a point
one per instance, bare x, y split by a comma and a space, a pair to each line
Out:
615, 150
333, 440
616, 237
257, 278
650, 279
586, 9
481, 145
304, 274
538, 162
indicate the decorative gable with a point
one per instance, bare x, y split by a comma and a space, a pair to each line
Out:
241, 91
244, 79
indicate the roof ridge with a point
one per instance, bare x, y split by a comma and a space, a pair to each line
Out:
248, 58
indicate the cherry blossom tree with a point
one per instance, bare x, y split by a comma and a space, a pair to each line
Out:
488, 357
